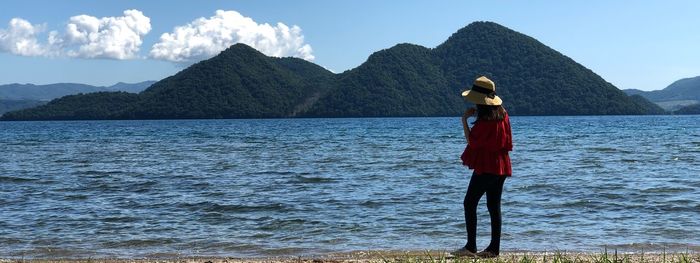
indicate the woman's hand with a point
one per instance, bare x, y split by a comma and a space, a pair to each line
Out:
468, 113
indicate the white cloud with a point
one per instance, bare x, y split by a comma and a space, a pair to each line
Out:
20, 38
85, 36
107, 37
206, 37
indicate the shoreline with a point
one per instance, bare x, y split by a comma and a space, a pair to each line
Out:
386, 256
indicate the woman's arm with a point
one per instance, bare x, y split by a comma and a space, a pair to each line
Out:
465, 125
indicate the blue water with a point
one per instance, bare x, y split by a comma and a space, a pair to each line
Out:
313, 186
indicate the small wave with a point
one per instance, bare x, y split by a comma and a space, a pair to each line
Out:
25, 143
120, 219
535, 187
102, 187
142, 187
678, 208
200, 134
272, 173
75, 197
12, 179
248, 208
533, 232
99, 173
10, 241
260, 235
603, 149
554, 215
580, 203
284, 224
666, 190
334, 240
543, 150
312, 180
140, 243
371, 204
214, 207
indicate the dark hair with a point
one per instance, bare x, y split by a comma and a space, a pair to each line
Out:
489, 112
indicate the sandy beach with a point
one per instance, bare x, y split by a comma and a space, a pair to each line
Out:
409, 256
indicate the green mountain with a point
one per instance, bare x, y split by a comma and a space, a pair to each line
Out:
405, 80
532, 78
681, 93
238, 83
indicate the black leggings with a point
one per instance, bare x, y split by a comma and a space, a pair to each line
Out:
492, 185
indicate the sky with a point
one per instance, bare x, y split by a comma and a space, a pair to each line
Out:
632, 44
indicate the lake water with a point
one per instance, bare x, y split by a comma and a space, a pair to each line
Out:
313, 186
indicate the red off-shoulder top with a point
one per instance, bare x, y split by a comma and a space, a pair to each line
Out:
488, 147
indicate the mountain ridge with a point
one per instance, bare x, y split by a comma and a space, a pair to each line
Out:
16, 96
403, 80
45, 92
681, 93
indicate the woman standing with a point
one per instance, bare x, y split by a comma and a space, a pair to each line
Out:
488, 144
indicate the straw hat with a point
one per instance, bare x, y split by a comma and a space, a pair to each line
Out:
483, 92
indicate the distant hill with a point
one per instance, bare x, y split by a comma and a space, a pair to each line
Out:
53, 91
691, 109
405, 80
13, 105
683, 92
22, 96
97, 105
44, 92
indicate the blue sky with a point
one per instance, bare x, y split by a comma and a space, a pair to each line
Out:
632, 44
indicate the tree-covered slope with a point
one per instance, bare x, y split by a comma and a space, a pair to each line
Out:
238, 83
652, 108
404, 80
691, 109
532, 78
13, 105
91, 106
